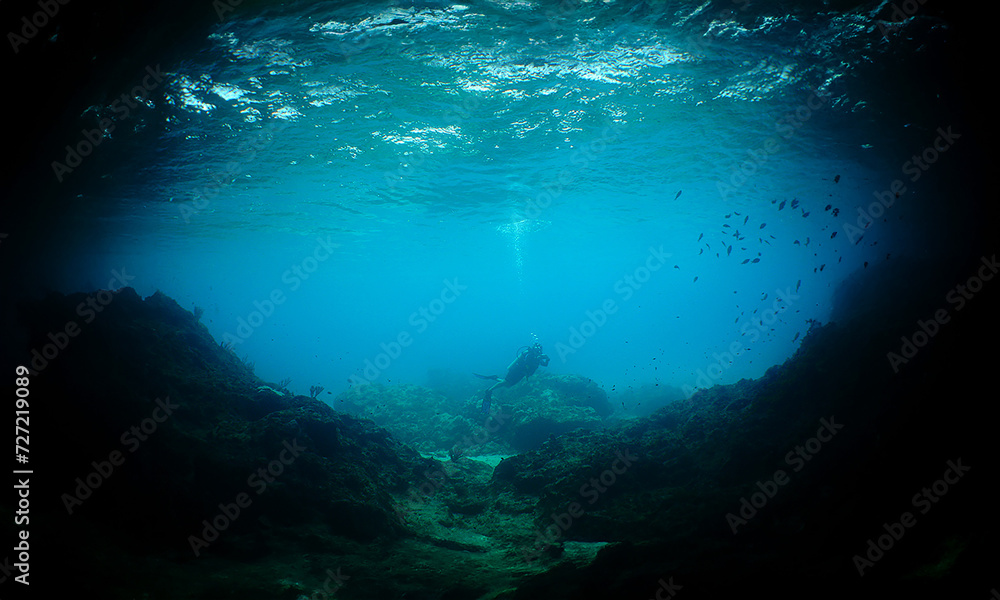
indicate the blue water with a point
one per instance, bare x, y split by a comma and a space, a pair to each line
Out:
512, 173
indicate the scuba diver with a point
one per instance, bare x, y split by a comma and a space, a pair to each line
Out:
527, 361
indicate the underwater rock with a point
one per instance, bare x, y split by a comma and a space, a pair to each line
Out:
529, 413
758, 480
194, 430
575, 390
268, 400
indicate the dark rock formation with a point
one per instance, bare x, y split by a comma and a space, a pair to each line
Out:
784, 480
146, 430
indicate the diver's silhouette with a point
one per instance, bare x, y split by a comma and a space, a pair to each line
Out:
528, 360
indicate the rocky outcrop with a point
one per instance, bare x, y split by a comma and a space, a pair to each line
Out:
524, 416
150, 431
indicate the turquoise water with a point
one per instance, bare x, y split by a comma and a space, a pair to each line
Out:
365, 193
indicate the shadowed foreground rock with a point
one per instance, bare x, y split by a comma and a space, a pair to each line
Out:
158, 444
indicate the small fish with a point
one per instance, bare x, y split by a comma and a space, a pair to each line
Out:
729, 215
807, 241
822, 266
676, 267
745, 261
756, 260
782, 205
725, 224
797, 284
729, 250
700, 235
866, 264
737, 319
833, 235
797, 243
796, 337
795, 203
678, 194
836, 179
805, 214
828, 207
695, 279
836, 212
701, 251
772, 237
746, 219
763, 225
764, 298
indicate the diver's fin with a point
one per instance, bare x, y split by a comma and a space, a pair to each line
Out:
493, 377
